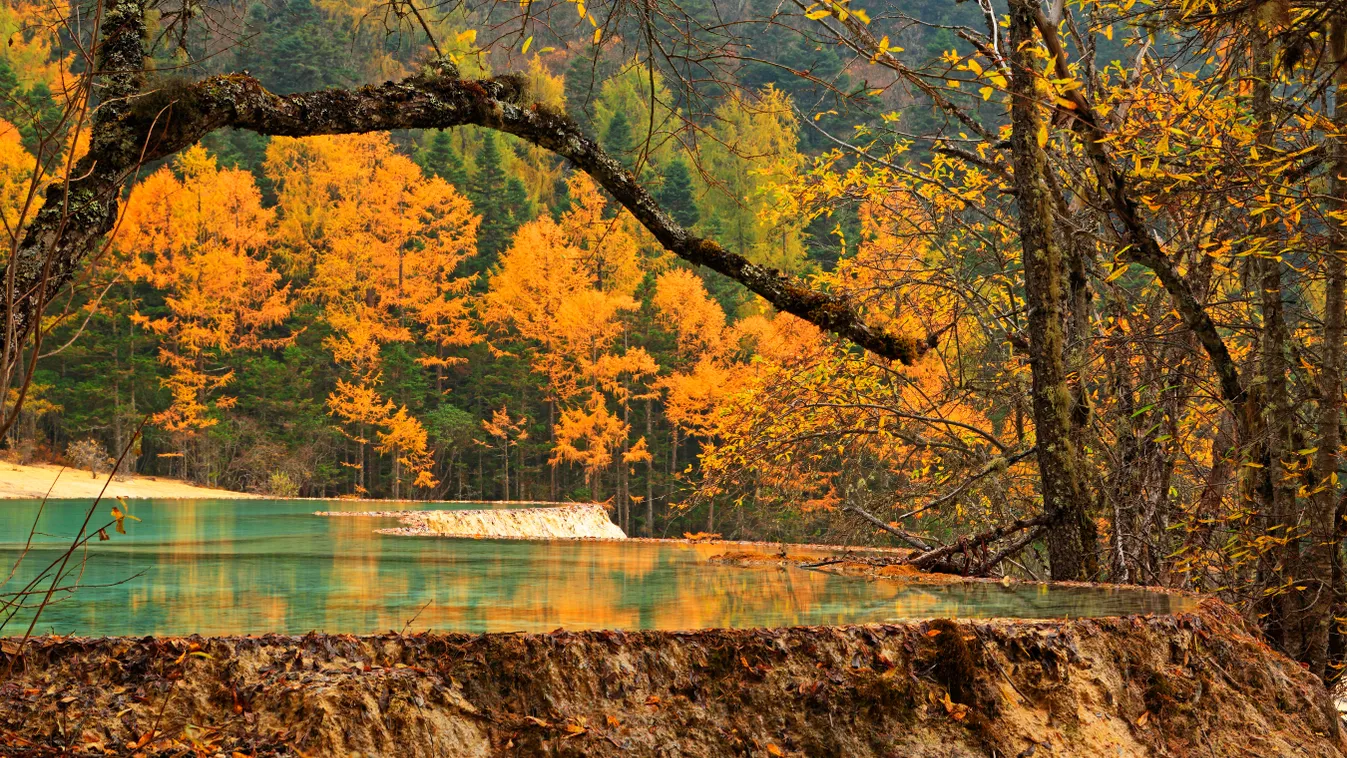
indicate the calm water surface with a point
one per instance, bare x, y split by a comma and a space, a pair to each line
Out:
251, 566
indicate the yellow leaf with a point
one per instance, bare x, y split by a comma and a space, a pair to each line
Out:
468, 37
527, 42
862, 15
580, 8
975, 67
1117, 273
597, 34
1108, 31
816, 15
772, 749
987, 92
1042, 135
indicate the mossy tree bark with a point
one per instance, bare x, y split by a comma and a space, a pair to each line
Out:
1324, 556
135, 125
1071, 541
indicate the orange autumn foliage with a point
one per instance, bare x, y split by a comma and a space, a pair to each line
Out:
203, 239
383, 243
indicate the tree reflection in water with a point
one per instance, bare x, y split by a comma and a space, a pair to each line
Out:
252, 566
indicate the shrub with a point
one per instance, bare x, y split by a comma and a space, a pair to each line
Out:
281, 485
89, 454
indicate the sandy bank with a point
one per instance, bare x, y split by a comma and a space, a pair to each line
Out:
1186, 685
33, 482
573, 521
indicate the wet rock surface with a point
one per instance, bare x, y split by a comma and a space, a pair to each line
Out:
573, 521
1191, 684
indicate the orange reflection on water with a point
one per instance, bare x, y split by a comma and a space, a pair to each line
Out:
222, 567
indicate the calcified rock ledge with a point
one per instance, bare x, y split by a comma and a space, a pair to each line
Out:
578, 521
1184, 685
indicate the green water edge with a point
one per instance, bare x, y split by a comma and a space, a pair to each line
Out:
218, 567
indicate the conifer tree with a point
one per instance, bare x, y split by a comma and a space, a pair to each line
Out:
486, 189
517, 203
617, 139
442, 160
502, 201
296, 49
676, 194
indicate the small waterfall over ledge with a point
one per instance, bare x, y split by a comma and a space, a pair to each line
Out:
579, 521
587, 521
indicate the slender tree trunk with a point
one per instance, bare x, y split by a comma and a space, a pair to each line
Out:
1323, 560
624, 470
552, 432
1270, 417
1071, 543
650, 470
673, 464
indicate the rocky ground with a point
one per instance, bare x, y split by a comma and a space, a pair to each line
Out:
1187, 685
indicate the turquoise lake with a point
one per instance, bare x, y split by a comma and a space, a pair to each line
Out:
254, 566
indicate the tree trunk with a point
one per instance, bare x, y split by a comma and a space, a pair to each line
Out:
1071, 542
1269, 418
624, 470
552, 432
650, 470
1322, 560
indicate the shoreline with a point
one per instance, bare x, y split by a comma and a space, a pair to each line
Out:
1196, 683
51, 481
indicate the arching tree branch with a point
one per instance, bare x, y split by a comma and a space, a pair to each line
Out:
135, 127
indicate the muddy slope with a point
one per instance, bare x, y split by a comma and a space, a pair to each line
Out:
1189, 685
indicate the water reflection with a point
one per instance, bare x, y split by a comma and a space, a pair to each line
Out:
249, 566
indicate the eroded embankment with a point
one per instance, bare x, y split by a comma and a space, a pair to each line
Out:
1195, 684
572, 521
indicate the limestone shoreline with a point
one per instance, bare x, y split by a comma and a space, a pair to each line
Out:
570, 521
1198, 684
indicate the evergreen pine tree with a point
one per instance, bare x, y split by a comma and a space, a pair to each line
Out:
561, 197
486, 189
581, 89
297, 50
9, 84
617, 139
675, 195
39, 123
517, 203
442, 160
